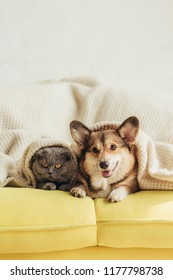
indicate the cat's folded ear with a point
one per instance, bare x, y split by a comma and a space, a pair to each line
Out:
38, 154
66, 156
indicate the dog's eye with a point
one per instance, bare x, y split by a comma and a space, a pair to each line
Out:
45, 165
113, 147
95, 150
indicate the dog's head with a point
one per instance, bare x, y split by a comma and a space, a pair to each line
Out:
105, 149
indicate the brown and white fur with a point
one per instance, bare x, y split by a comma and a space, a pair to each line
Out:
108, 162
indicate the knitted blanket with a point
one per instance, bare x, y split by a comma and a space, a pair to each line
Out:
42, 112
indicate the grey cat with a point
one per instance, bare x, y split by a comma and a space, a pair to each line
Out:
54, 168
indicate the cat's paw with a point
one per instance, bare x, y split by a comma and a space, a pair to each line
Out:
118, 194
65, 187
49, 186
78, 192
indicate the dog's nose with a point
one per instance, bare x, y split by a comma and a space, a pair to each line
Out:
104, 164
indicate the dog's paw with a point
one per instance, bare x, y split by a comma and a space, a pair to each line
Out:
49, 186
118, 194
78, 192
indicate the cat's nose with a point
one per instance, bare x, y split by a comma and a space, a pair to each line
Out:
50, 172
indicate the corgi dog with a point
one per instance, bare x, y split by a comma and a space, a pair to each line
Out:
108, 164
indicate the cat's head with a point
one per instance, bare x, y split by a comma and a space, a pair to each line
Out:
54, 164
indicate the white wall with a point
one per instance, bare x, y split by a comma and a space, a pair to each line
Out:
123, 41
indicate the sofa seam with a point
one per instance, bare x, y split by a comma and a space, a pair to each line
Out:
135, 221
95, 208
42, 228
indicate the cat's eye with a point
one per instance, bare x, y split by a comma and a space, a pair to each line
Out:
57, 165
45, 165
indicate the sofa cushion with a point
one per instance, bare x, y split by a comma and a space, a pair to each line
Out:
143, 220
40, 221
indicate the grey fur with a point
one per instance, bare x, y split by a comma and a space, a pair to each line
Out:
53, 167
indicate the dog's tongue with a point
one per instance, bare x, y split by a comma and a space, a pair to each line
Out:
106, 173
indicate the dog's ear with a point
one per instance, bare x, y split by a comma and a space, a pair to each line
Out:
128, 130
80, 133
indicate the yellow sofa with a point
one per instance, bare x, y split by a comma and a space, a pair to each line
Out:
39, 224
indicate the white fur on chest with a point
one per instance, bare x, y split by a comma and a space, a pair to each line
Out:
98, 182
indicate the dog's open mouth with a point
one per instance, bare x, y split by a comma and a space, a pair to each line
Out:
109, 173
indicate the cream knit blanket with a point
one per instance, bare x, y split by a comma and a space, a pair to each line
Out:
42, 112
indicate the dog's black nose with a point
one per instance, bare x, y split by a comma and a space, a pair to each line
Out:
104, 164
